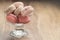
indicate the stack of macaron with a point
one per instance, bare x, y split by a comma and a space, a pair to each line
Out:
18, 13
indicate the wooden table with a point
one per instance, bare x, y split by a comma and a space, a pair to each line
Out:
44, 25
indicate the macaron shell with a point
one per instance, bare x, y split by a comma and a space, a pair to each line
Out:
10, 9
24, 19
11, 18
18, 10
27, 10
17, 4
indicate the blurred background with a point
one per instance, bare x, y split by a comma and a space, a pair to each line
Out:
45, 22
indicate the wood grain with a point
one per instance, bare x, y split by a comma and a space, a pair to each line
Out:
44, 25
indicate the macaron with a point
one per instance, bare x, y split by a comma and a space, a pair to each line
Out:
23, 19
27, 10
11, 18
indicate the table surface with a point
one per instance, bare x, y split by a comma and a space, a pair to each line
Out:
44, 25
